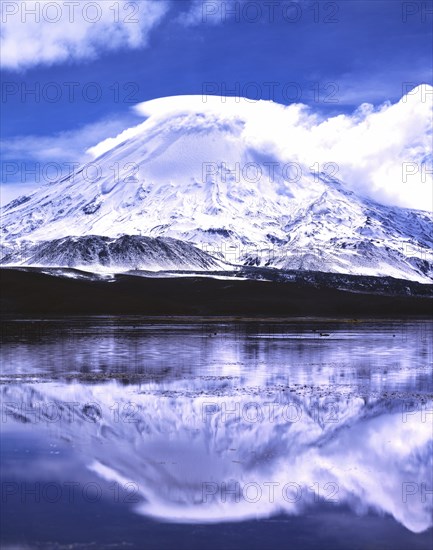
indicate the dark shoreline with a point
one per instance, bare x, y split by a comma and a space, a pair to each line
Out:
34, 291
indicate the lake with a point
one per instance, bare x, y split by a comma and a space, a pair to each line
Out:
132, 432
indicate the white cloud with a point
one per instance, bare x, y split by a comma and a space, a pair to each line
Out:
45, 32
382, 152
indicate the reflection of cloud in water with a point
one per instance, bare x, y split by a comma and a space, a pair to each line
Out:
195, 447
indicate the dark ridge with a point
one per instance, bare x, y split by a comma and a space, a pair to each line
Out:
33, 291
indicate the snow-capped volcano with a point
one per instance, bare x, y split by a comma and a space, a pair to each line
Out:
191, 172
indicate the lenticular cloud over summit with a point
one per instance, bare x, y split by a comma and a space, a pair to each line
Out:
382, 152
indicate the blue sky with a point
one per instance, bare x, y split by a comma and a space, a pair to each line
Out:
330, 55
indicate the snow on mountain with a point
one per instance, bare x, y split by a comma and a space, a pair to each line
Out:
191, 172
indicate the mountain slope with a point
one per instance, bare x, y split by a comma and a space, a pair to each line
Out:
126, 252
188, 173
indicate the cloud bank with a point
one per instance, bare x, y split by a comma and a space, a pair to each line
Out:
44, 33
382, 152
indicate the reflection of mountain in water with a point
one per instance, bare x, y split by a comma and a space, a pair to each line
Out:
205, 450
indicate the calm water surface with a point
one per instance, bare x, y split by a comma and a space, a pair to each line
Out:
132, 433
